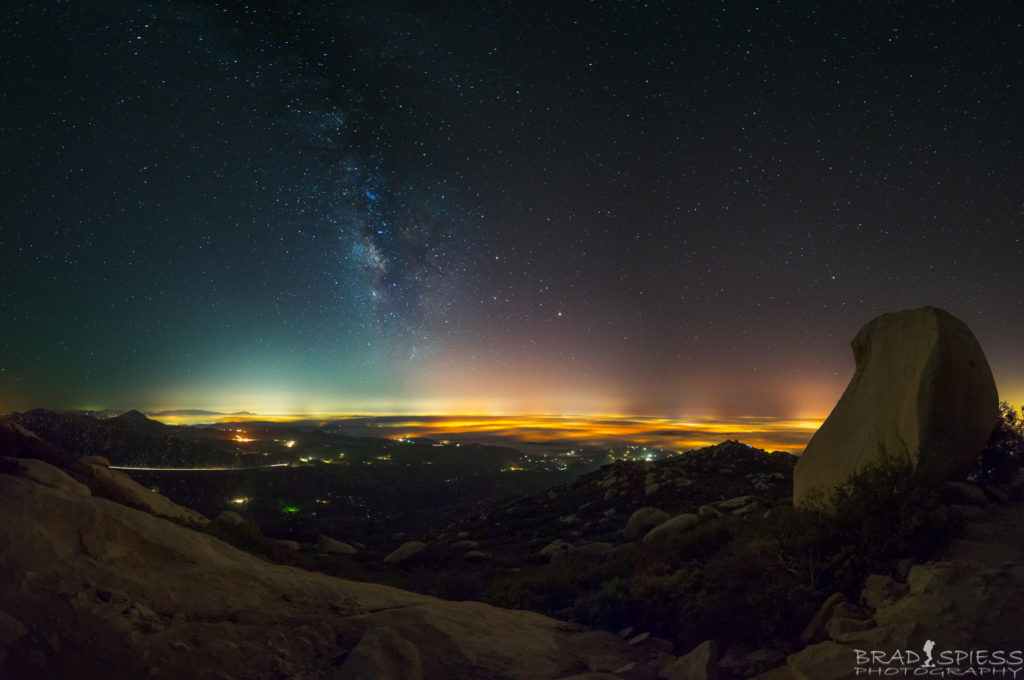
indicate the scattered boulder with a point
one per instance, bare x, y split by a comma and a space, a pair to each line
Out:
405, 552
735, 503
555, 547
824, 661
476, 556
743, 661
701, 663
816, 628
465, 544
747, 509
382, 654
642, 521
881, 590
678, 525
635, 671
591, 549
707, 512
334, 547
230, 518
840, 626
922, 390
95, 460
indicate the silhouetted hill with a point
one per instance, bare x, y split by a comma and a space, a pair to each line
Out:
130, 439
138, 422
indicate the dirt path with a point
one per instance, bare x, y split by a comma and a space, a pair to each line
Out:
995, 541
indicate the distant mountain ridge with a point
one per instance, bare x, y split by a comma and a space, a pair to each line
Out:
130, 439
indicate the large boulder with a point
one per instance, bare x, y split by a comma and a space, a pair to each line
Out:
922, 390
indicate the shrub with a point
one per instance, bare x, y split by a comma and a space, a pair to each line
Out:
1004, 452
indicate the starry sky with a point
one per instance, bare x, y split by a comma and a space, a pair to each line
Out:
651, 208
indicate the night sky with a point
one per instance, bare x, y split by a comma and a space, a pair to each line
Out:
665, 209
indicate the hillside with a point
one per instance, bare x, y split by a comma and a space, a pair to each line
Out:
696, 567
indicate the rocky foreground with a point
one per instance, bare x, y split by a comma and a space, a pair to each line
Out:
105, 579
94, 589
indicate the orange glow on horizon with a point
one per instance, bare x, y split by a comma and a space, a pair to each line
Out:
785, 434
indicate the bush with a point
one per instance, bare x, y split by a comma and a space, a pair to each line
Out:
1003, 456
760, 578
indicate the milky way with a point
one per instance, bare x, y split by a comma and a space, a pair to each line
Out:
606, 207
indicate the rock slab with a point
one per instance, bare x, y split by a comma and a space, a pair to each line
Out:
922, 389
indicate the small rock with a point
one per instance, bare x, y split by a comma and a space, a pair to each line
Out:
701, 663
286, 543
841, 625
638, 639
556, 547
880, 591
112, 595
747, 509
635, 671
816, 628
383, 654
405, 552
962, 492
591, 549
677, 526
823, 661
707, 512
734, 503
230, 518
334, 547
